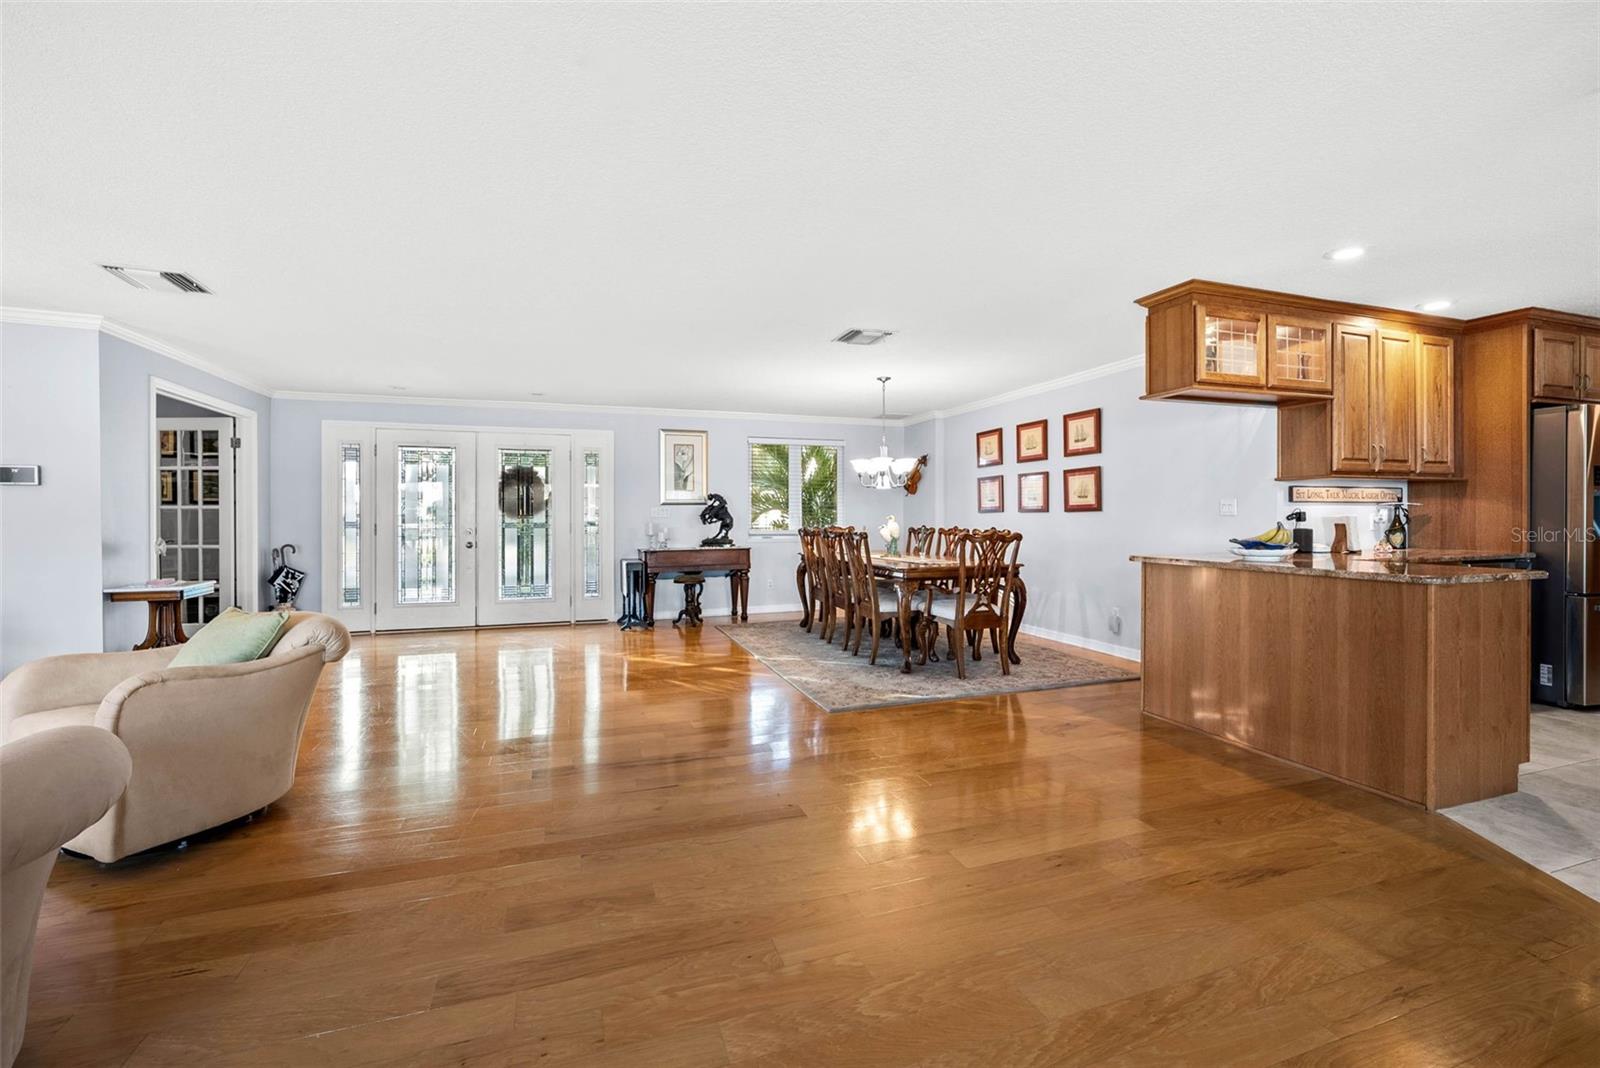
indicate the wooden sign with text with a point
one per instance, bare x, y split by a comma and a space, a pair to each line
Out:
1343, 495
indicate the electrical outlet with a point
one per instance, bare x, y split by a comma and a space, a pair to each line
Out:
1228, 506
1114, 624
769, 584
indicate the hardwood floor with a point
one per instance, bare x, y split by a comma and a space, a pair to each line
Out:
580, 846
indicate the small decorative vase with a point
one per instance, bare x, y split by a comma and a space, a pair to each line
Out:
893, 547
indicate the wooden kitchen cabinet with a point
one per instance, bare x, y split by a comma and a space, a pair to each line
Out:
1589, 367
1436, 405
1299, 354
1396, 402
1355, 437
1557, 365
1232, 346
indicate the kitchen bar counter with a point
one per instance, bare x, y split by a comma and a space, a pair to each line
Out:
1413, 683
1427, 567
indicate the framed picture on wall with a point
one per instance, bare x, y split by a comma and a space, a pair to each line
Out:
991, 447
1033, 492
1082, 432
684, 464
992, 494
1082, 488
1033, 441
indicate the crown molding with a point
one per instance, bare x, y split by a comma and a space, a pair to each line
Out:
1077, 377
45, 317
557, 406
86, 321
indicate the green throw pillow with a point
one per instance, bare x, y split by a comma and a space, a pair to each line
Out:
232, 638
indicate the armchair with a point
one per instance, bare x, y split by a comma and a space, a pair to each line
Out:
53, 784
209, 744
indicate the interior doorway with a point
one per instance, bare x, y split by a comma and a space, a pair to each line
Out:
202, 505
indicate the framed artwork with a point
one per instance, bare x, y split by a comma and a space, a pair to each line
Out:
1033, 441
169, 486
1082, 487
1033, 492
992, 493
168, 440
991, 447
1082, 432
683, 466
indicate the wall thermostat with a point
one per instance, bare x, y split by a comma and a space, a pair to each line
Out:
19, 475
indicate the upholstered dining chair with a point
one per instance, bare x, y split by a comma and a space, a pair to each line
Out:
815, 589
919, 541
981, 598
874, 603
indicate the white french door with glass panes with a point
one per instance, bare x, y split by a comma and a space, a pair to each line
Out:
525, 511
435, 527
425, 532
194, 511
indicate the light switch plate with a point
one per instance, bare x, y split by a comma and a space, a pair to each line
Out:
1228, 506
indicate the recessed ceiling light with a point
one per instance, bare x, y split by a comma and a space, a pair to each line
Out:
1349, 252
864, 337
1434, 305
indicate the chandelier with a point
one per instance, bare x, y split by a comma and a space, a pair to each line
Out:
883, 471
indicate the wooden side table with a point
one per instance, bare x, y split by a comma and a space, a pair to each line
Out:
165, 627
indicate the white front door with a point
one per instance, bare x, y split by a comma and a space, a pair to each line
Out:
525, 520
426, 530
195, 511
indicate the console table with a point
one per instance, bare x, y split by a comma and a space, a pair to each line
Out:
732, 560
165, 627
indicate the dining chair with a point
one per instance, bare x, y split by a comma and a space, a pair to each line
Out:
875, 603
981, 597
836, 573
919, 541
815, 589
946, 539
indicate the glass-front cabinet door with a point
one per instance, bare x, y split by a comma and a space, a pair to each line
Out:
525, 512
426, 530
1300, 354
1230, 346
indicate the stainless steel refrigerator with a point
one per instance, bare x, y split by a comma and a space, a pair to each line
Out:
1566, 607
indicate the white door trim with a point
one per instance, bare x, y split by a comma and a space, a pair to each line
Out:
246, 488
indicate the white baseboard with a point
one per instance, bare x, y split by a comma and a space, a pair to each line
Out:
1127, 652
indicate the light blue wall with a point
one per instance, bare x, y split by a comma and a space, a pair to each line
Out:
1166, 466
296, 498
50, 596
126, 441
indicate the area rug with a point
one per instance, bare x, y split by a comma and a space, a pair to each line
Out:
839, 682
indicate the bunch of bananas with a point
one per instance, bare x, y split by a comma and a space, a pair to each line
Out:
1276, 538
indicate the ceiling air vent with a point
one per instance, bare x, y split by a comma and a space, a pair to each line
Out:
864, 337
159, 281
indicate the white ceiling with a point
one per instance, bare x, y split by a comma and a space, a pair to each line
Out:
678, 205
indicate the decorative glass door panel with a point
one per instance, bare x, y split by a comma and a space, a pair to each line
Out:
194, 511
526, 499
1232, 346
1301, 354
426, 530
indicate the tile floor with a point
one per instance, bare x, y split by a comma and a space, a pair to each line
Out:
1553, 820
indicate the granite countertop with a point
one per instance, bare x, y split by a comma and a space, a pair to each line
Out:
1427, 567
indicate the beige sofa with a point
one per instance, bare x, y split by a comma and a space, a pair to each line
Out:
209, 744
52, 785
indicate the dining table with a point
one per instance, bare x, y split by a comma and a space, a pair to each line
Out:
910, 574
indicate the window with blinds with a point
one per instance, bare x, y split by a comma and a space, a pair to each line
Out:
793, 484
